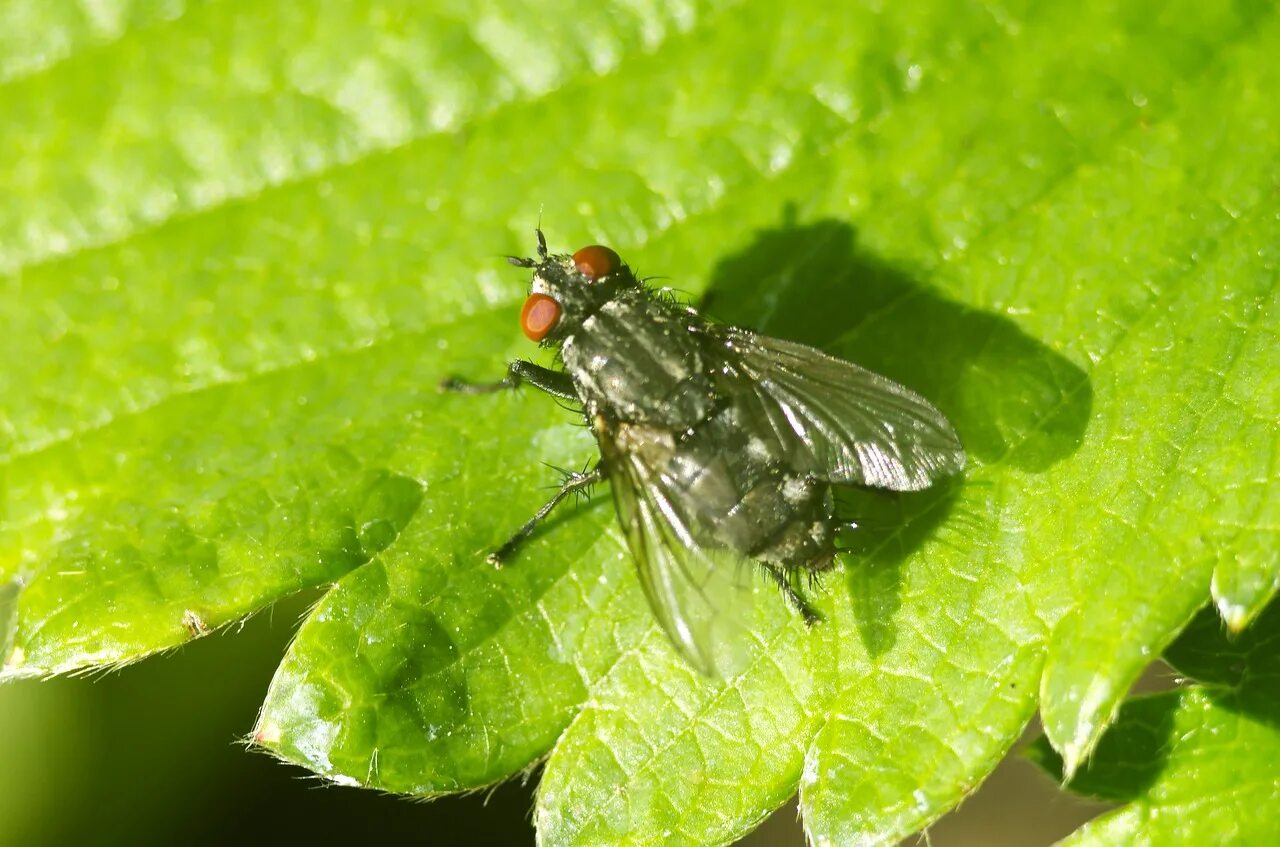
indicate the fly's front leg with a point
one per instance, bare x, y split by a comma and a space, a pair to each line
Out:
555, 383
573, 482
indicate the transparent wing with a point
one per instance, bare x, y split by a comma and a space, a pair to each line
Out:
701, 595
841, 422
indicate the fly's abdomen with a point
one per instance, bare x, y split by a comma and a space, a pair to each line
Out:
744, 498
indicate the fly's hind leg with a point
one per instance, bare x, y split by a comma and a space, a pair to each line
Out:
782, 576
555, 383
573, 483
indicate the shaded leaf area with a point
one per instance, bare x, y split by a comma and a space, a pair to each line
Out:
232, 286
1244, 666
1198, 764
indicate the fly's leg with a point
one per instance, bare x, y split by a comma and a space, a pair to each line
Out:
555, 383
801, 605
573, 483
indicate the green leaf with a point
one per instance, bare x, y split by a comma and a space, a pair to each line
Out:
1197, 765
8, 616
234, 270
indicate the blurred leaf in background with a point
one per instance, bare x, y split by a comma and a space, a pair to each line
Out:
240, 245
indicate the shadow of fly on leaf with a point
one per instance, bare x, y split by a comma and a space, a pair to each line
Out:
722, 446
1013, 400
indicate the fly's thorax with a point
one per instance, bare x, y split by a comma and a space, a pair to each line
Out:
637, 358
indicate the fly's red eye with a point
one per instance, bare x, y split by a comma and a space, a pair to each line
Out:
596, 261
539, 316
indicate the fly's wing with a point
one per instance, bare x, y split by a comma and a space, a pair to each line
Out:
701, 595
841, 422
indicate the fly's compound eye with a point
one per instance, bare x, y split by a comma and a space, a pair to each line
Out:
596, 261
539, 316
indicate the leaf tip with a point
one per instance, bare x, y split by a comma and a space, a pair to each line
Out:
1236, 615
1073, 756
267, 734
1074, 723
14, 662
1240, 602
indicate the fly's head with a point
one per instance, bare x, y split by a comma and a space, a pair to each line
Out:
566, 289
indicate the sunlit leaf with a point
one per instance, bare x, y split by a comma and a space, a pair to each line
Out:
240, 245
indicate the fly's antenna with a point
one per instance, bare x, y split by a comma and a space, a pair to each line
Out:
542, 240
521, 261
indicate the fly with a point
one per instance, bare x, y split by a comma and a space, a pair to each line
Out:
720, 445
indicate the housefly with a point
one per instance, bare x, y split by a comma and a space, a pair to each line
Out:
720, 445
